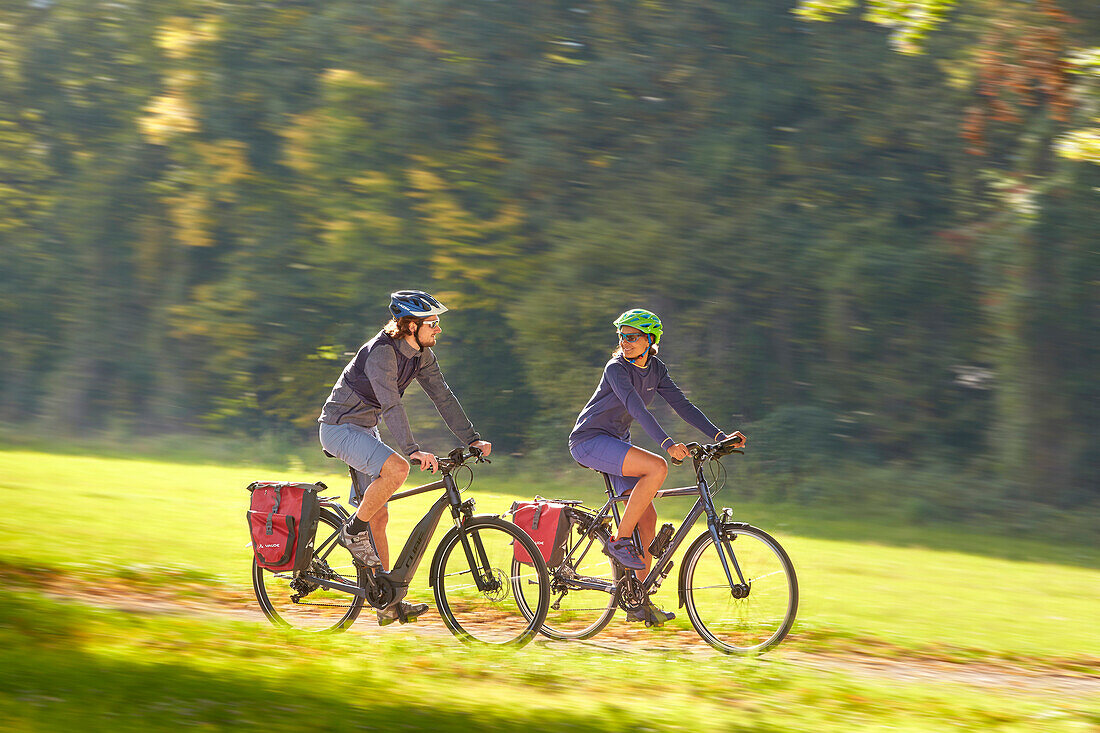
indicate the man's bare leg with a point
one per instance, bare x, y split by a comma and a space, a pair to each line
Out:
394, 472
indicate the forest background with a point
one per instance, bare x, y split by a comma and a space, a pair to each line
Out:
872, 240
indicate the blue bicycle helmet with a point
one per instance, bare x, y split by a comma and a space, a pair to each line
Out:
414, 303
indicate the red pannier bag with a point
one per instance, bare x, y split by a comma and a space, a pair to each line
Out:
548, 525
282, 520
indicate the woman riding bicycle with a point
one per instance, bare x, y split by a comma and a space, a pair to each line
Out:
601, 438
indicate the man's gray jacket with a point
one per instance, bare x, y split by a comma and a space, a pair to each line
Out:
373, 382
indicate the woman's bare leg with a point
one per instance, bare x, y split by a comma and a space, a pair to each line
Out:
647, 530
651, 471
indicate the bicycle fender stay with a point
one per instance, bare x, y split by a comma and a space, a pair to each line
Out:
437, 558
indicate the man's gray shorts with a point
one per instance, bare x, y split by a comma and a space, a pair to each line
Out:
359, 447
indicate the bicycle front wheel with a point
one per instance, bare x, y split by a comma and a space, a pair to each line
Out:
758, 609
474, 581
582, 585
288, 599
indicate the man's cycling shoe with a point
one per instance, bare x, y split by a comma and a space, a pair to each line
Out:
650, 615
401, 612
361, 547
625, 552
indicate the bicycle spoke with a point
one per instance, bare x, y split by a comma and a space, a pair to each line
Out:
489, 613
302, 603
577, 612
759, 619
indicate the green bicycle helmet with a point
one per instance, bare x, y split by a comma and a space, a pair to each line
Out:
645, 321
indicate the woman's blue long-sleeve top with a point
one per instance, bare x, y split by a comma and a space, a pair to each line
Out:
623, 396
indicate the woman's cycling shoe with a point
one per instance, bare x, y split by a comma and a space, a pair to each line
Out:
403, 612
650, 615
625, 552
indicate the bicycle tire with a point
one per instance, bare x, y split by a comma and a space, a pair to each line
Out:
576, 613
320, 610
488, 616
762, 618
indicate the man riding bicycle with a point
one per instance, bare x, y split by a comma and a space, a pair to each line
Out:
370, 388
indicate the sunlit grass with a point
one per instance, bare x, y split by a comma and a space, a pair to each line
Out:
174, 525
66, 666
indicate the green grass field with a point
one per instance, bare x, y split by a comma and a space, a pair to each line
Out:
110, 528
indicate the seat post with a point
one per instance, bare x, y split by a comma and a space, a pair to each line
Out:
611, 495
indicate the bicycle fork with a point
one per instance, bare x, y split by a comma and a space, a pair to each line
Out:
462, 512
482, 569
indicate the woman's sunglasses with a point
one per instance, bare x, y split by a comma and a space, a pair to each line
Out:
631, 337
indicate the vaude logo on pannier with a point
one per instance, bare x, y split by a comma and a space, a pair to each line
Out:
264, 547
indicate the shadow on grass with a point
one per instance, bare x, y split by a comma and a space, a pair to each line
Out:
67, 667
86, 693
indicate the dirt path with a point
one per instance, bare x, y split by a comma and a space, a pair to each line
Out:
619, 638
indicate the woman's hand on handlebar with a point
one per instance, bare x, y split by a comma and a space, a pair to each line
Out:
427, 461
483, 445
740, 438
678, 451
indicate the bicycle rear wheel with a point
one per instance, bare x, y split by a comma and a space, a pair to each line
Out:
577, 610
474, 584
747, 617
289, 600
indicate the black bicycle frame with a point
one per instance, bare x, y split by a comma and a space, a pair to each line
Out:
407, 562
703, 505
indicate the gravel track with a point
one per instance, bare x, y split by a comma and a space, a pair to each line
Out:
619, 638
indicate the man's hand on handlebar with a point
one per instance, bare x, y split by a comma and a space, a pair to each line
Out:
428, 461
483, 445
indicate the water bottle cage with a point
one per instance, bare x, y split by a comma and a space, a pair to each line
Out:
660, 542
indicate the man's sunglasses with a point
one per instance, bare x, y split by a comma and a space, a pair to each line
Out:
632, 337
430, 324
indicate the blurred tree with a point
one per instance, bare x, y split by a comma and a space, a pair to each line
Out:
1014, 63
207, 202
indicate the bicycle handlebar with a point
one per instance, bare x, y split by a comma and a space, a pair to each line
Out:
457, 457
706, 452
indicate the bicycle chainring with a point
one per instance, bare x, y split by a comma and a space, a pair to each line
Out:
631, 596
381, 591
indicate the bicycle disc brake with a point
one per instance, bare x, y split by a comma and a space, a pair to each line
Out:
498, 589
